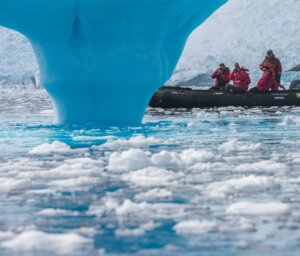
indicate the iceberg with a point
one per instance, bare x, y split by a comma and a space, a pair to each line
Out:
102, 60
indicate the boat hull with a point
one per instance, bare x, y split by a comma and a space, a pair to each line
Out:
176, 97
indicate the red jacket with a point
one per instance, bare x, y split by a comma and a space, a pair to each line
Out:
241, 79
272, 63
222, 78
267, 82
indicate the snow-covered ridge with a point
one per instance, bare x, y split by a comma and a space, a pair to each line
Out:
241, 31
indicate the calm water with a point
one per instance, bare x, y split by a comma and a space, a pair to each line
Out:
202, 182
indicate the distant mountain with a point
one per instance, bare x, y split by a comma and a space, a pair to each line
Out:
295, 69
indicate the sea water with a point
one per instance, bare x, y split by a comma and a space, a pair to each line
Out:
221, 181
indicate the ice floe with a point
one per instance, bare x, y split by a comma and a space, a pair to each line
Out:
195, 227
128, 160
34, 241
235, 145
52, 148
239, 185
153, 176
251, 208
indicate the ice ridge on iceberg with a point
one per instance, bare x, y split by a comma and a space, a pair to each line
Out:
102, 60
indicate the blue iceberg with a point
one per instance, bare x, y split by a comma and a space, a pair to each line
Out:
102, 60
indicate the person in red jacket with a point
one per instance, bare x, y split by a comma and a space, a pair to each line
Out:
222, 78
274, 64
240, 78
267, 82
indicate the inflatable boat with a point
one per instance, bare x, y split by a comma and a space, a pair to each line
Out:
178, 97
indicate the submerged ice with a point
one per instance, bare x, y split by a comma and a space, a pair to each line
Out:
101, 61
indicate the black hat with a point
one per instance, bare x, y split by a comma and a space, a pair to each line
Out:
270, 52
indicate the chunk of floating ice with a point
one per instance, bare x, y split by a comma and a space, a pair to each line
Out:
245, 184
152, 176
133, 159
235, 145
57, 212
55, 147
154, 194
266, 166
150, 211
140, 231
134, 142
128, 160
37, 241
8, 185
195, 227
250, 208
85, 138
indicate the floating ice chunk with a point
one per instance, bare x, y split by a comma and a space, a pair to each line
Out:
166, 159
129, 207
57, 212
186, 158
250, 208
195, 227
129, 232
140, 231
128, 160
34, 241
193, 156
205, 167
78, 167
266, 166
245, 184
150, 211
154, 194
8, 185
56, 147
139, 141
235, 145
85, 138
152, 176
75, 184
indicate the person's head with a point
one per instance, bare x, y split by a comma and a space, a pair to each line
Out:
222, 67
270, 53
236, 66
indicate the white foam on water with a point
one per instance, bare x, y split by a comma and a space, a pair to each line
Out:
252, 209
195, 227
34, 241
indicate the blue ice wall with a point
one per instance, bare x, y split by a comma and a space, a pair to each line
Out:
102, 60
